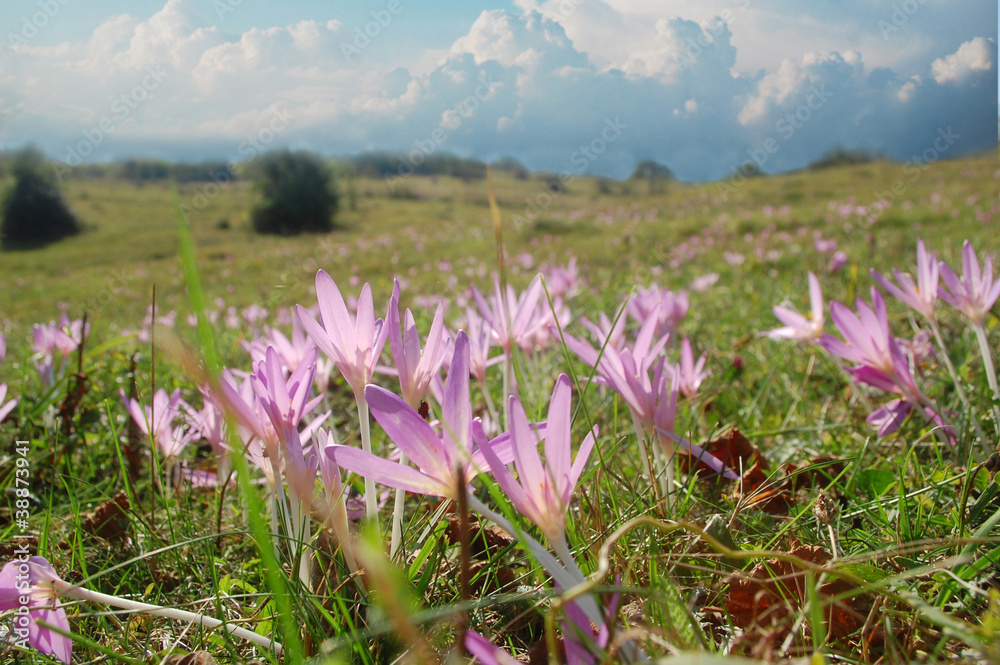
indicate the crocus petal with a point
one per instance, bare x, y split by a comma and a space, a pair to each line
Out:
392, 474
816, 299
887, 419
525, 444
410, 432
46, 640
456, 410
337, 321
484, 650
319, 335
558, 435
582, 455
510, 486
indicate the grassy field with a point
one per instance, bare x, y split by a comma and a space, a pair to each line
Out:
853, 546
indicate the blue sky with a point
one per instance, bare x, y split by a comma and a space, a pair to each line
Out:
701, 87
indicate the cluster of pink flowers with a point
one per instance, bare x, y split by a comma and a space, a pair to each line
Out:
884, 361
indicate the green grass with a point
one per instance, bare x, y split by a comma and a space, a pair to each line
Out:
895, 506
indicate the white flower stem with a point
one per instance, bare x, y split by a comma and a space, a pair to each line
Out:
397, 516
371, 499
508, 380
991, 372
66, 589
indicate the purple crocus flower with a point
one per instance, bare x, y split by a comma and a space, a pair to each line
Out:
5, 409
480, 335
880, 362
437, 455
28, 584
796, 326
514, 319
671, 308
868, 343
416, 368
605, 332
690, 374
627, 370
353, 343
157, 421
975, 292
542, 491
921, 296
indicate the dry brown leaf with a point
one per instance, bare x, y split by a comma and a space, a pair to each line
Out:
767, 601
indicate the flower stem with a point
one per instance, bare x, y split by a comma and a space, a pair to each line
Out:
508, 380
397, 515
991, 372
66, 589
371, 500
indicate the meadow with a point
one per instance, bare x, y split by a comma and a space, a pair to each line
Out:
824, 540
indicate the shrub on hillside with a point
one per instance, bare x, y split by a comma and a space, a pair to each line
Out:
298, 195
34, 212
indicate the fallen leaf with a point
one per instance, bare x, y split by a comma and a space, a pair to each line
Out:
769, 599
110, 519
731, 448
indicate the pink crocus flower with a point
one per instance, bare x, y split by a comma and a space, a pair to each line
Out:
514, 319
416, 368
37, 582
5, 409
975, 292
671, 307
869, 344
480, 341
605, 332
563, 280
922, 296
690, 374
353, 343
880, 362
157, 421
291, 351
543, 490
799, 327
438, 456
627, 370
837, 261
29, 584
50, 339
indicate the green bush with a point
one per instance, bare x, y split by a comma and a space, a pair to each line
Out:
298, 195
34, 212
